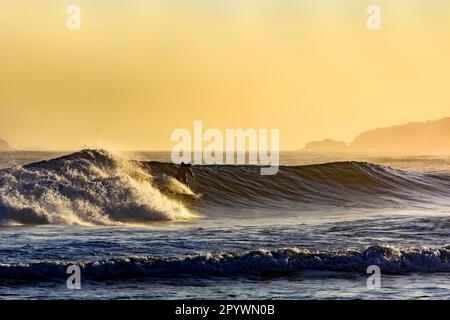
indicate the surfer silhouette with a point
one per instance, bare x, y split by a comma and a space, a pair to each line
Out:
183, 171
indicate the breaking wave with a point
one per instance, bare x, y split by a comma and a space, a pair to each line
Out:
339, 184
391, 260
91, 187
95, 187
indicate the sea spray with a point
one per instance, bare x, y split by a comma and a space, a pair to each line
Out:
91, 187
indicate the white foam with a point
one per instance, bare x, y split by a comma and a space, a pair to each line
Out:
391, 260
92, 187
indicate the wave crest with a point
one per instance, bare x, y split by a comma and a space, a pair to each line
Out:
391, 260
91, 187
94, 187
339, 184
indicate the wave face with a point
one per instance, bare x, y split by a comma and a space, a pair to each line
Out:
91, 187
94, 187
391, 260
339, 184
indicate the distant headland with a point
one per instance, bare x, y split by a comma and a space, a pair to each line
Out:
410, 137
4, 146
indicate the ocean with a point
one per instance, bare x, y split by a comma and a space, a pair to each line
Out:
309, 232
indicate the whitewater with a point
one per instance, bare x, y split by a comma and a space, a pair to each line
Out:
309, 232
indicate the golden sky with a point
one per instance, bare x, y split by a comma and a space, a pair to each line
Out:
137, 70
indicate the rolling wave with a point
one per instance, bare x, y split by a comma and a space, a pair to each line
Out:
339, 184
95, 187
391, 260
91, 187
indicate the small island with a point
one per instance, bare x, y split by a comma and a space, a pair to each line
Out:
326, 145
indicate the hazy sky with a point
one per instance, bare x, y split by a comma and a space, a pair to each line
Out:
137, 70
